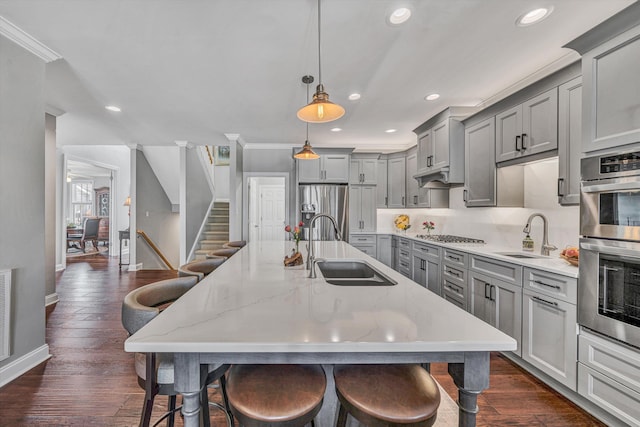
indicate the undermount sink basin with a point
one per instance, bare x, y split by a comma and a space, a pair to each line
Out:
519, 255
352, 273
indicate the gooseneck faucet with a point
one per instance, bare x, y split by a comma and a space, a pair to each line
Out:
311, 252
546, 247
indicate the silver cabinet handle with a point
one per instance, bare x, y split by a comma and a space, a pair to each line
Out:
465, 196
544, 301
415, 200
546, 284
560, 187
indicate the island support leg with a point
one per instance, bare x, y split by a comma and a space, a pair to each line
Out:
187, 383
471, 377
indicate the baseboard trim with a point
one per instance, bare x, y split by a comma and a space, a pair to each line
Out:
51, 299
59, 267
135, 267
23, 364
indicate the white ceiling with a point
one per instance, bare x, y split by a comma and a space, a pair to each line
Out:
195, 70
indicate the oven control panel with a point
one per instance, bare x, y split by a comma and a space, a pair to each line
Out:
620, 163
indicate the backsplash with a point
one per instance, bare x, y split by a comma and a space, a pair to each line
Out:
501, 226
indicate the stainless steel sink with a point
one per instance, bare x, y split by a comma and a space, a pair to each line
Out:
352, 273
519, 255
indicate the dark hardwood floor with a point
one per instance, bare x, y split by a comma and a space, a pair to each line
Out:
90, 380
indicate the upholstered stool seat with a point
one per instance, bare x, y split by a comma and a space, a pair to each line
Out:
387, 395
200, 268
275, 395
225, 252
235, 244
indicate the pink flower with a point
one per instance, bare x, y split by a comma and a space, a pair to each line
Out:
287, 229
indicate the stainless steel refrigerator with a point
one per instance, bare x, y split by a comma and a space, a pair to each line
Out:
332, 199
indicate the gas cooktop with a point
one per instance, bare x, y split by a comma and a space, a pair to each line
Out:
447, 238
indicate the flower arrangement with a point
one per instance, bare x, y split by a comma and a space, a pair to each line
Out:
295, 233
428, 225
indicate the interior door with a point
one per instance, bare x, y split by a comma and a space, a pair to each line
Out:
271, 212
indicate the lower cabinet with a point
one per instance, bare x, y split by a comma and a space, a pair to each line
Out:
426, 266
384, 252
497, 303
365, 242
454, 277
404, 257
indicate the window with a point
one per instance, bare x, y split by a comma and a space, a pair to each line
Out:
81, 201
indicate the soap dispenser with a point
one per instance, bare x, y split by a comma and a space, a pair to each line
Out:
527, 243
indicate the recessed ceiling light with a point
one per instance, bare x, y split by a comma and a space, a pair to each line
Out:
432, 97
399, 16
391, 130
354, 97
533, 16
336, 129
113, 108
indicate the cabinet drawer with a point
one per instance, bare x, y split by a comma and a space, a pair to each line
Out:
404, 254
615, 360
452, 298
428, 251
404, 243
367, 249
356, 239
505, 271
612, 396
454, 273
555, 285
455, 258
455, 290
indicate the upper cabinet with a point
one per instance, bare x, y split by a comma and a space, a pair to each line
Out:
528, 128
418, 197
363, 169
381, 183
329, 168
610, 69
569, 141
440, 155
396, 190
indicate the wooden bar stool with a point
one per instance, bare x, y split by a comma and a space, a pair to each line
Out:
386, 395
275, 395
235, 244
224, 252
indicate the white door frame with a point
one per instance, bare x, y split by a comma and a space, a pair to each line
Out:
245, 196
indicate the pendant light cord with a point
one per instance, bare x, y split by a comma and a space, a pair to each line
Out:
307, 139
319, 38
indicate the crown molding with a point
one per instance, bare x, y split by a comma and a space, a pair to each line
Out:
269, 146
186, 144
54, 111
28, 42
135, 146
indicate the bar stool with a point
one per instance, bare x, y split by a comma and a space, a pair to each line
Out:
224, 252
235, 244
386, 395
275, 395
200, 268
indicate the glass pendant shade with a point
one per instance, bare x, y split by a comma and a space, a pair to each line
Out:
320, 109
306, 153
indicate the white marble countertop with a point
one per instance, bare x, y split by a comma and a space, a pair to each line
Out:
253, 304
552, 264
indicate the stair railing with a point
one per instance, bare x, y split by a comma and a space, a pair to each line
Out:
155, 248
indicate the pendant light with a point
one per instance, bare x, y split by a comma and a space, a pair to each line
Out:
320, 110
307, 152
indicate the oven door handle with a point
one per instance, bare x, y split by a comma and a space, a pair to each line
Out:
620, 184
608, 250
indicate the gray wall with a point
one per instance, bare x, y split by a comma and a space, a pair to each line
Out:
154, 217
22, 193
199, 196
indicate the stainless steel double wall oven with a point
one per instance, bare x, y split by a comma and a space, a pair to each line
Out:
609, 291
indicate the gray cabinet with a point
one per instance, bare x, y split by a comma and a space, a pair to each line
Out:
610, 69
529, 128
497, 303
363, 170
454, 274
395, 253
404, 265
384, 250
365, 242
396, 177
569, 141
329, 168
411, 183
362, 208
381, 183
426, 266
418, 197
425, 150
480, 175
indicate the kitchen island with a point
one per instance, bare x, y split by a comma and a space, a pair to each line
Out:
254, 310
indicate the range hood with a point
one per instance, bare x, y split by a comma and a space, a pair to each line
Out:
435, 179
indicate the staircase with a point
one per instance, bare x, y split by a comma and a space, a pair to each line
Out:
216, 231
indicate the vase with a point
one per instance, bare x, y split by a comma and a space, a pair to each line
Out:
292, 255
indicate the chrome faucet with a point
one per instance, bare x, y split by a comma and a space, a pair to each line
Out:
311, 265
546, 247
